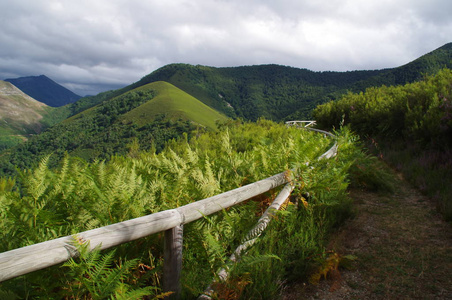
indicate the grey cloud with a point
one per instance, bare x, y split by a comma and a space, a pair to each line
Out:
91, 46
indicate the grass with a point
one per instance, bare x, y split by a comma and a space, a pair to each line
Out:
402, 250
430, 171
175, 104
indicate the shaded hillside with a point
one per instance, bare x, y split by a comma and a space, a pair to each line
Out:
144, 118
281, 92
427, 64
45, 90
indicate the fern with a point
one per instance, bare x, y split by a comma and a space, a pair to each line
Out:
8, 295
47, 203
92, 274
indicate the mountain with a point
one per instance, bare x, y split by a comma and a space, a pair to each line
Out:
281, 92
20, 115
174, 104
45, 90
167, 104
146, 117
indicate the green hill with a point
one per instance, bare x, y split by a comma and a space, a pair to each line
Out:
281, 92
146, 117
273, 91
175, 104
103, 125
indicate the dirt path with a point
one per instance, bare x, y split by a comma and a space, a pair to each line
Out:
403, 250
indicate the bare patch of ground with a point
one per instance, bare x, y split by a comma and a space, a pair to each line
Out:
403, 250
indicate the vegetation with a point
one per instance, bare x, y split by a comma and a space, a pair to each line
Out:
45, 203
22, 116
112, 127
151, 147
412, 127
251, 92
285, 93
175, 104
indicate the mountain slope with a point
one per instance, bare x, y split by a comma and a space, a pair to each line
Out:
281, 92
250, 92
175, 104
146, 117
45, 90
20, 115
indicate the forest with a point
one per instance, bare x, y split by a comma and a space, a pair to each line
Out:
283, 93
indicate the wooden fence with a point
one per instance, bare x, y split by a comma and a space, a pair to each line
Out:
39, 256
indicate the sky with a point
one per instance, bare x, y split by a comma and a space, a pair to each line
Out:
90, 46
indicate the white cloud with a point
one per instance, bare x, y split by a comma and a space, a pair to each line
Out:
111, 43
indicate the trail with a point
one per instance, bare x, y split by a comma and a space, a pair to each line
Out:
403, 249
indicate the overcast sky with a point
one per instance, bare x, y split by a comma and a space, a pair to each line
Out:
91, 46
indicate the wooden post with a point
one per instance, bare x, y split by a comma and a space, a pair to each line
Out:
172, 264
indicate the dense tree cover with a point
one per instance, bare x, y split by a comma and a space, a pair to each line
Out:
45, 203
250, 92
280, 92
90, 101
98, 133
410, 124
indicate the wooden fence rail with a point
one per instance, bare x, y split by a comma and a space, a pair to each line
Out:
35, 257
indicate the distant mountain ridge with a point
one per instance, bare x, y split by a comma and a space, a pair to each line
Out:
281, 92
45, 90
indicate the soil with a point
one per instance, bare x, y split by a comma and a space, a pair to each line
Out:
402, 249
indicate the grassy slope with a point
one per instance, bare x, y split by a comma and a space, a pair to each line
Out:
20, 115
176, 104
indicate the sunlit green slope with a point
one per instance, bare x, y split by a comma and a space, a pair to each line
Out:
175, 104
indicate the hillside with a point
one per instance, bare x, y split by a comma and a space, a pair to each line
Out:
174, 104
410, 126
20, 115
281, 92
249, 92
44, 90
144, 118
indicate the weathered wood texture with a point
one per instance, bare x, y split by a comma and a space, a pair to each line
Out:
46, 254
172, 261
39, 256
199, 209
252, 236
42, 255
302, 124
